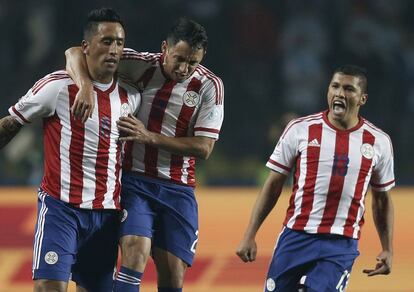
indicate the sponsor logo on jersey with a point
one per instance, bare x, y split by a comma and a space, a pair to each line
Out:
51, 258
125, 110
191, 98
270, 284
367, 151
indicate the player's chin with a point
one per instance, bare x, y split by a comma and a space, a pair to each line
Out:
110, 70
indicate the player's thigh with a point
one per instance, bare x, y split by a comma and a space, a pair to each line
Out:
55, 241
97, 254
50, 285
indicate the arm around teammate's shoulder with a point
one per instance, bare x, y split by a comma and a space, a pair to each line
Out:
76, 67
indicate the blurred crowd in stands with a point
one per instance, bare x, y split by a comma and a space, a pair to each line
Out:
274, 56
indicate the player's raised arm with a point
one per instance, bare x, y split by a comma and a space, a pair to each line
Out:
266, 201
76, 67
383, 213
9, 127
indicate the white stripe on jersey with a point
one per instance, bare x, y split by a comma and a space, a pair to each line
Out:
89, 161
65, 138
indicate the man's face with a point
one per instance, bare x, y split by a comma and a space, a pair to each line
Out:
180, 60
345, 97
104, 50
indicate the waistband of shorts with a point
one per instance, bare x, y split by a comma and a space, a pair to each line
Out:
155, 179
40, 190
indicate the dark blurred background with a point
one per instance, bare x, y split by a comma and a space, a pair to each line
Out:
275, 58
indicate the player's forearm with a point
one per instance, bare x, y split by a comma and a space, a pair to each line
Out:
268, 197
383, 213
76, 67
200, 147
9, 127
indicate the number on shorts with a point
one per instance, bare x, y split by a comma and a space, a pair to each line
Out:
194, 245
343, 281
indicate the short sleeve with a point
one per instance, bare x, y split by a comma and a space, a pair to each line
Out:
286, 151
382, 178
39, 102
211, 113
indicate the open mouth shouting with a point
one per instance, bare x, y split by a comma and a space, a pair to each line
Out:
338, 107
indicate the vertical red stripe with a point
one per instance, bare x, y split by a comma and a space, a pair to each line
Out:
123, 96
367, 138
51, 147
312, 163
156, 116
336, 183
181, 129
75, 153
291, 208
102, 157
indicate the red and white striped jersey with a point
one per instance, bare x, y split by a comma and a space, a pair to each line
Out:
191, 108
333, 169
82, 161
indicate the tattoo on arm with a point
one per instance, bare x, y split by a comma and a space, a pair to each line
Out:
9, 127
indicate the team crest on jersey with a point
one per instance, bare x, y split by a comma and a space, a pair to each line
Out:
125, 110
270, 284
51, 257
367, 151
191, 98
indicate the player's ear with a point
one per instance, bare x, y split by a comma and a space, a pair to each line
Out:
164, 47
363, 99
85, 47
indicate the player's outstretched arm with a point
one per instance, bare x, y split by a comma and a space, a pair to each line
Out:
383, 213
83, 105
9, 127
265, 202
132, 129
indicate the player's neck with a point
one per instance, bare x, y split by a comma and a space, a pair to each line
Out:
100, 78
344, 124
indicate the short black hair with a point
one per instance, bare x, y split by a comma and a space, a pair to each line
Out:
99, 15
190, 32
356, 71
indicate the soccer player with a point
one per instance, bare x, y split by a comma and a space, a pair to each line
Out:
78, 215
336, 155
179, 120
